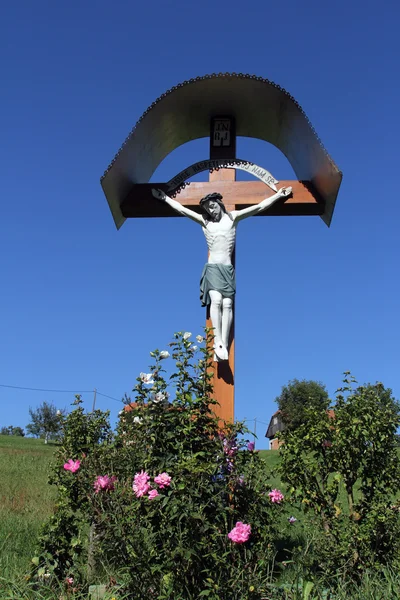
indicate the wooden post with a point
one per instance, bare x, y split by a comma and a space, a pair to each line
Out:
224, 372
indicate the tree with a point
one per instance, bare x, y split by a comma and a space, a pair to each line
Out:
11, 430
297, 396
46, 421
18, 431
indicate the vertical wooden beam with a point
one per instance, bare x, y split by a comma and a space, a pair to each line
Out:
224, 372
223, 145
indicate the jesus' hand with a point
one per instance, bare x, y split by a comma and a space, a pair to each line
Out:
159, 194
285, 192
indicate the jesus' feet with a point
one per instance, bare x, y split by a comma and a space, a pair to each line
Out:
220, 350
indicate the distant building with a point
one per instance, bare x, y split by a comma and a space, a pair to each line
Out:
276, 424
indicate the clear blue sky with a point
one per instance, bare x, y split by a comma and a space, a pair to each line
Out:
82, 304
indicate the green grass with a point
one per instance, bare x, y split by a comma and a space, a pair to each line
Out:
271, 459
26, 499
378, 585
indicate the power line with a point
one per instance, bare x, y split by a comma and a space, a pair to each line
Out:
105, 396
31, 389
258, 421
18, 387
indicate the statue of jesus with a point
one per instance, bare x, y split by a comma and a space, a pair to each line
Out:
217, 284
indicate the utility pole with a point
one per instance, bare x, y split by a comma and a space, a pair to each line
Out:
255, 431
94, 399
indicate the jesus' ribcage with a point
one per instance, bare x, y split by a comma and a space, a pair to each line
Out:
220, 242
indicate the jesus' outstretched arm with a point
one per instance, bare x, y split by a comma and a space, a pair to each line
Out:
177, 206
261, 206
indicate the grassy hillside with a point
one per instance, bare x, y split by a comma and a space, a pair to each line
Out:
26, 499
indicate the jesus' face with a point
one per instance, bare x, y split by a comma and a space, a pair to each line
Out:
214, 210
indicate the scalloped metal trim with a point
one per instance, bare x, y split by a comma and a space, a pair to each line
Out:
213, 76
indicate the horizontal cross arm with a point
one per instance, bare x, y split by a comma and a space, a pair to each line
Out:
236, 194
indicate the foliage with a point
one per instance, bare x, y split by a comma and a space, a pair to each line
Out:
46, 421
297, 397
26, 501
375, 585
84, 436
166, 536
345, 469
11, 430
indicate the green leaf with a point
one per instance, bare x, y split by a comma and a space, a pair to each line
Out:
307, 590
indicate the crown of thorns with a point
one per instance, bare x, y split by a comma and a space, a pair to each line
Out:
215, 197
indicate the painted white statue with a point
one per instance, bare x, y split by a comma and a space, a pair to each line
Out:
217, 284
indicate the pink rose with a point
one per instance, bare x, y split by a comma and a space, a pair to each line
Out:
240, 533
140, 484
72, 465
276, 496
163, 480
140, 490
153, 494
104, 482
141, 478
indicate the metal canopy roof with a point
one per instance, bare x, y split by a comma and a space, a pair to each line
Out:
261, 110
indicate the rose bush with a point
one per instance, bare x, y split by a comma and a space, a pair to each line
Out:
169, 505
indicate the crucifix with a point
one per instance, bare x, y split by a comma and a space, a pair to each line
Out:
219, 216
264, 111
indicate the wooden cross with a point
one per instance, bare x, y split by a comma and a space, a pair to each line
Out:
236, 196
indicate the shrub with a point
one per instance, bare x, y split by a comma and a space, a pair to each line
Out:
176, 507
344, 468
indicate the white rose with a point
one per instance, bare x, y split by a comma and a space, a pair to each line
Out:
146, 378
186, 335
160, 397
200, 339
164, 354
